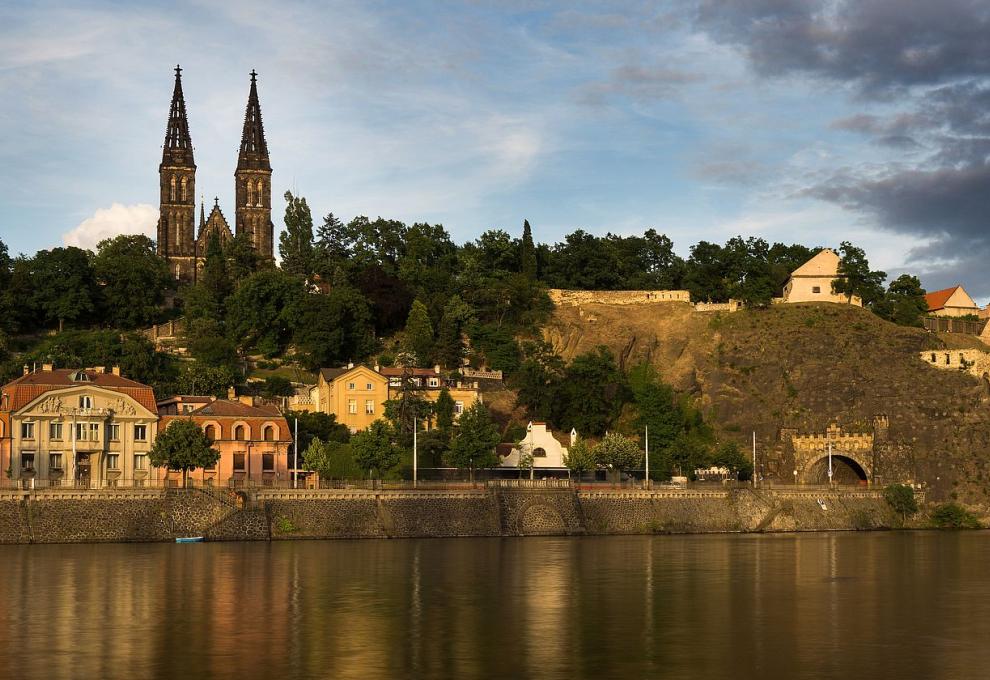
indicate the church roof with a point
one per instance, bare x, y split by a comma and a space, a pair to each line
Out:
216, 222
177, 149
254, 148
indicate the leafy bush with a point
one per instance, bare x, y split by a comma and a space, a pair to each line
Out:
900, 498
953, 516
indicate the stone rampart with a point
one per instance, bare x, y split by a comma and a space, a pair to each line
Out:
123, 516
573, 298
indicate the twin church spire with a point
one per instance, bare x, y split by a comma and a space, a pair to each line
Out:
178, 241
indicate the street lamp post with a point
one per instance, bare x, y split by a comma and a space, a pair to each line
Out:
415, 453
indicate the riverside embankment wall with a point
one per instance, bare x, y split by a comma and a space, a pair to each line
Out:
133, 515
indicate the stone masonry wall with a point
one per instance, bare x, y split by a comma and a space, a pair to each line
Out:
571, 298
107, 516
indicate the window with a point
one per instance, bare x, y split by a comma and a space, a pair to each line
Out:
140, 433
54, 461
933, 357
113, 461
260, 192
82, 434
539, 452
85, 401
269, 433
239, 433
816, 289
250, 193
55, 430
171, 193
27, 430
238, 462
458, 407
368, 386
140, 462
184, 194
211, 432
352, 405
27, 461
94, 432
113, 432
268, 462
350, 386
434, 382
369, 407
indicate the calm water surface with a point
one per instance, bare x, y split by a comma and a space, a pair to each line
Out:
885, 605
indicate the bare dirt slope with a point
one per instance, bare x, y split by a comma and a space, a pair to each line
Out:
802, 367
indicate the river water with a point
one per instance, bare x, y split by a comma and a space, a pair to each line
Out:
841, 605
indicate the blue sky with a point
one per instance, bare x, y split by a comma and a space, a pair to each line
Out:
798, 121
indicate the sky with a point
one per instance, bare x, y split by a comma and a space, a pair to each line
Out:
798, 121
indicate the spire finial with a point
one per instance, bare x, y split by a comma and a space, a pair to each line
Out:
216, 201
178, 71
254, 75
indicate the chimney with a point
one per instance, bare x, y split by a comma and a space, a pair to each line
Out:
27, 369
378, 369
573, 436
100, 369
436, 369
231, 393
115, 370
350, 365
47, 367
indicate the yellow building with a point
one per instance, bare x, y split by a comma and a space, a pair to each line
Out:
356, 395
953, 301
812, 281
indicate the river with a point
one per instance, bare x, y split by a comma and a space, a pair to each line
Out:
853, 605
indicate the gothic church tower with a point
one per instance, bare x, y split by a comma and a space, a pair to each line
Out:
177, 179
253, 181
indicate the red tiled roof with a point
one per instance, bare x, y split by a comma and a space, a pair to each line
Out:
27, 388
399, 371
224, 408
936, 300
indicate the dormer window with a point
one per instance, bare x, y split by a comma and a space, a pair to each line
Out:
80, 376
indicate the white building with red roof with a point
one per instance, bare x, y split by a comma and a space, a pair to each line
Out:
954, 301
76, 427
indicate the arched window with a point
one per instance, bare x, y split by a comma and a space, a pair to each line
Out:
269, 433
171, 194
239, 433
250, 193
184, 190
211, 432
261, 190
539, 452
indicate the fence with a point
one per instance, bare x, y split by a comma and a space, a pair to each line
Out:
948, 324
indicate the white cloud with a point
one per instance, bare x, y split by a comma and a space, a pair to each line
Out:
140, 218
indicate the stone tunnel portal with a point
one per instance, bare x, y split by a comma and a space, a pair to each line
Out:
845, 470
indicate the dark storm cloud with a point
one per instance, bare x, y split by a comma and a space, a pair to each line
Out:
929, 59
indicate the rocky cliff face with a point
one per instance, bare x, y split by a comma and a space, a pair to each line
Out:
797, 368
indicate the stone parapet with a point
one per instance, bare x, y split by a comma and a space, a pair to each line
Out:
572, 298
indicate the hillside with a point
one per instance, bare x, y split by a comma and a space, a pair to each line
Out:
802, 367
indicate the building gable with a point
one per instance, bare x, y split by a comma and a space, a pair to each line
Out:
825, 264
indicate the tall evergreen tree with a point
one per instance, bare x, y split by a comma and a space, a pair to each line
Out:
216, 280
419, 334
457, 315
295, 244
527, 260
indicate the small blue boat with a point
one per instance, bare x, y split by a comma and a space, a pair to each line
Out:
189, 539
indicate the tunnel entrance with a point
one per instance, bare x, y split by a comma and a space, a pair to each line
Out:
845, 470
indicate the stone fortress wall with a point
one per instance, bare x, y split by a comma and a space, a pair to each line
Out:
128, 516
573, 298
976, 362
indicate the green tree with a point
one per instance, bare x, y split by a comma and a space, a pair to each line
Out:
953, 516
133, 279
216, 279
418, 336
729, 455
374, 449
900, 498
457, 317
260, 314
182, 447
295, 244
591, 393
242, 259
580, 458
197, 378
444, 408
333, 328
316, 425
617, 453
330, 250
63, 286
904, 303
856, 278
527, 254
538, 380
207, 344
331, 460
406, 408
473, 446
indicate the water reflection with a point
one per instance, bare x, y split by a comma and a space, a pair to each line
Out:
791, 606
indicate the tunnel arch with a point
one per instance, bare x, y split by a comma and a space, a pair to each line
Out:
845, 468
